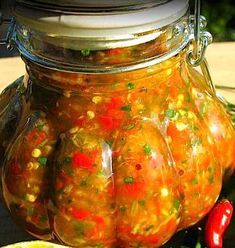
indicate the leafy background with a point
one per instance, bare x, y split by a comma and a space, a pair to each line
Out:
221, 18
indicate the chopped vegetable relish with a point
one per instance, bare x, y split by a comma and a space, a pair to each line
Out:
113, 160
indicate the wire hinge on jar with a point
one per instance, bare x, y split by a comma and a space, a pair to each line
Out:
200, 38
8, 38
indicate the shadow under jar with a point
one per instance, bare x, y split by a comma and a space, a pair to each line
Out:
111, 139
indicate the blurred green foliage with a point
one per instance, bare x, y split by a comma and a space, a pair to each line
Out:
221, 18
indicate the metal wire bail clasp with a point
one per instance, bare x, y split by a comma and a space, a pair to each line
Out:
200, 38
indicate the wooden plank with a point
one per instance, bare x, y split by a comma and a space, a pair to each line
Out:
10, 70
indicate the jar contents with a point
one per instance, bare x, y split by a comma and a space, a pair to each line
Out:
113, 160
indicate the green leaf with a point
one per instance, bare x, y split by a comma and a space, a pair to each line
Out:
42, 161
126, 108
148, 228
130, 86
170, 113
79, 228
176, 204
85, 52
128, 180
141, 202
196, 142
194, 181
67, 160
147, 149
198, 245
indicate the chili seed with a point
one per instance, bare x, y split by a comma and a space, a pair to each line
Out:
30, 165
31, 198
181, 126
164, 192
35, 165
36, 153
47, 149
73, 130
96, 99
67, 93
168, 139
90, 114
36, 189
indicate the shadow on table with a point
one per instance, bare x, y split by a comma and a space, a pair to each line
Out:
9, 231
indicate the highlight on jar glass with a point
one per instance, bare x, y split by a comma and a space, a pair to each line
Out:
112, 138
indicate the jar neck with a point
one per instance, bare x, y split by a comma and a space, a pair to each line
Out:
81, 83
78, 55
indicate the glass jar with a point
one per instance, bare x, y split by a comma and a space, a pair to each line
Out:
112, 138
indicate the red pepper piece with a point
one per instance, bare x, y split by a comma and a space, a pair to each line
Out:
62, 180
15, 169
106, 122
80, 122
133, 191
98, 220
114, 103
36, 137
112, 114
80, 214
217, 223
81, 160
115, 51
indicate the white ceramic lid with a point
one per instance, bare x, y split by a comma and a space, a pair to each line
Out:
97, 23
65, 4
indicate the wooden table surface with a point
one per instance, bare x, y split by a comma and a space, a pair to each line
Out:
221, 58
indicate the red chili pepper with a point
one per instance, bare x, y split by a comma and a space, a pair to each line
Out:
217, 223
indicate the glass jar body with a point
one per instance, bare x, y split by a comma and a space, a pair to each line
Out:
113, 160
